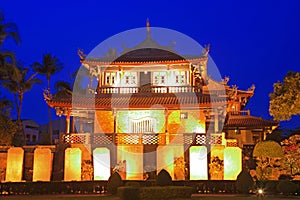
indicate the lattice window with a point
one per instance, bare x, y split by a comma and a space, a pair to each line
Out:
127, 139
215, 139
231, 144
103, 139
188, 139
200, 139
149, 139
77, 138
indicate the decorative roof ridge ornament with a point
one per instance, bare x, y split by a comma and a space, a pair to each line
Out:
47, 95
148, 27
206, 50
81, 54
252, 88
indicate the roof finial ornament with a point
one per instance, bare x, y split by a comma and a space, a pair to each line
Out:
206, 50
148, 27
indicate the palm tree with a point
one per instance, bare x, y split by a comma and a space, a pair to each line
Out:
7, 30
49, 66
19, 82
63, 88
5, 106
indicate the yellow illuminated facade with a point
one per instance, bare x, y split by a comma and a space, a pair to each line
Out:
198, 163
101, 158
14, 163
72, 170
42, 164
232, 162
153, 109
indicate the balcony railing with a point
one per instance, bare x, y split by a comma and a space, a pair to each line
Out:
240, 113
142, 139
151, 89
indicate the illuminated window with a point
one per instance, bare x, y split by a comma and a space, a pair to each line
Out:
183, 115
130, 78
110, 78
159, 78
181, 77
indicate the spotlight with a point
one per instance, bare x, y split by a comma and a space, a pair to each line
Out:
260, 193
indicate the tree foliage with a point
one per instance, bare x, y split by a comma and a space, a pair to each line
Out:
285, 99
291, 148
20, 80
50, 65
267, 154
7, 30
7, 127
8, 130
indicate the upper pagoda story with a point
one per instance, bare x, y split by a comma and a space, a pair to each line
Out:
151, 67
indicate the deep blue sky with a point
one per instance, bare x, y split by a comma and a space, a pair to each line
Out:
252, 42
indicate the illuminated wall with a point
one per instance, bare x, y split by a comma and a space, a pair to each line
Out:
198, 163
216, 166
194, 123
173, 121
166, 156
105, 122
232, 162
133, 156
14, 166
42, 164
125, 117
72, 171
101, 158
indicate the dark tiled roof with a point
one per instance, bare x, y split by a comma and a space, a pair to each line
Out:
148, 55
138, 100
248, 121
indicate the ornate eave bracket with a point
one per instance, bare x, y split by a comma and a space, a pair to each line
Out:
47, 95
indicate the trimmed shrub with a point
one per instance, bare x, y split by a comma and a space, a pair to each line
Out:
163, 178
132, 184
114, 182
128, 193
244, 182
285, 177
287, 187
164, 193
270, 187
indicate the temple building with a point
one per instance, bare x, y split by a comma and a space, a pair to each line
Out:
154, 109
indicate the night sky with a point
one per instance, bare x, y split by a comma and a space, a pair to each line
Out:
252, 42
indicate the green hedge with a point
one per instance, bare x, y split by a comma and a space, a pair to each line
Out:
156, 192
128, 193
287, 187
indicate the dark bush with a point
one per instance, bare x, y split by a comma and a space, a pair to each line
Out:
132, 184
128, 193
114, 182
287, 187
163, 178
244, 182
164, 193
270, 187
285, 177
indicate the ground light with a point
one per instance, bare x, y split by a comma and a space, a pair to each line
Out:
260, 193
